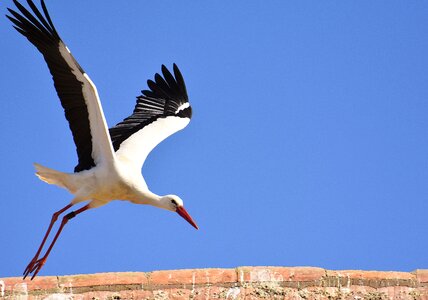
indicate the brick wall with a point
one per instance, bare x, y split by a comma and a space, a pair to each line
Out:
239, 283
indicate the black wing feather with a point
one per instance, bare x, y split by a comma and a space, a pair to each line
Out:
41, 32
165, 96
180, 80
39, 16
161, 83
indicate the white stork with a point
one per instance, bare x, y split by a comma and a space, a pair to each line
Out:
109, 160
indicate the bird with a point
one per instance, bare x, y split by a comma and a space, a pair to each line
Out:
109, 159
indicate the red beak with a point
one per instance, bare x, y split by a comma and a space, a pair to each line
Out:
185, 215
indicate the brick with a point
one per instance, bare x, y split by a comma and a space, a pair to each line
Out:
192, 277
221, 275
375, 274
172, 277
18, 285
305, 273
103, 279
421, 275
373, 279
108, 295
295, 274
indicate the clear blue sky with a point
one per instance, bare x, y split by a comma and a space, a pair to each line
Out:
308, 145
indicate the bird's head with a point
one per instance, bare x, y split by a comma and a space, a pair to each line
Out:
174, 203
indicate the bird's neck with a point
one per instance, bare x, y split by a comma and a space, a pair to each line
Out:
148, 198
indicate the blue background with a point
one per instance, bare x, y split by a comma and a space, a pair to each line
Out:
308, 145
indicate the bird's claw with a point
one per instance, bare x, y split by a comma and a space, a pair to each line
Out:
29, 267
34, 267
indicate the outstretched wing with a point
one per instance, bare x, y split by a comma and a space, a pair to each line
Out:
78, 95
159, 112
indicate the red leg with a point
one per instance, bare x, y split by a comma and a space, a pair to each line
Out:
40, 262
53, 220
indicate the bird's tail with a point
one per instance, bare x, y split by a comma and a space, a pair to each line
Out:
54, 177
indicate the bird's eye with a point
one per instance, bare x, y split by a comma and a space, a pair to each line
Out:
174, 202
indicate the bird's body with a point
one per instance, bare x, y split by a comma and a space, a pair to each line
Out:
101, 184
109, 160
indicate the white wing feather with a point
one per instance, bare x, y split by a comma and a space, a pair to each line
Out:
137, 147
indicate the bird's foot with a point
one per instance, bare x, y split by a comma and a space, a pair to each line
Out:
34, 267
30, 266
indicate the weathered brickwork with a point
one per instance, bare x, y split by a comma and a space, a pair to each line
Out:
234, 284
